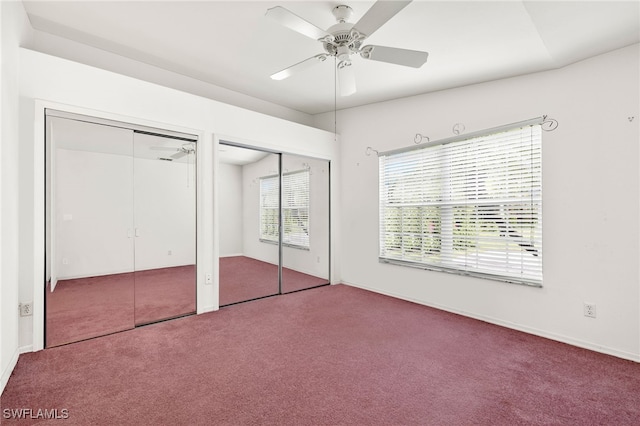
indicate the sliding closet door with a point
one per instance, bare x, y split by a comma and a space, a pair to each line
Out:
90, 247
249, 188
165, 227
305, 223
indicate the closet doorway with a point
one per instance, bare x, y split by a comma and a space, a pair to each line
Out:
120, 227
274, 223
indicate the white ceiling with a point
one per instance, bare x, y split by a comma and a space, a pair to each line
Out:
233, 45
229, 154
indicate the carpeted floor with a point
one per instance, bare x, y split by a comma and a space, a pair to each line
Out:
83, 308
244, 278
334, 355
165, 293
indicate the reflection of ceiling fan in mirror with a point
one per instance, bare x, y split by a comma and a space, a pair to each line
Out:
180, 152
345, 39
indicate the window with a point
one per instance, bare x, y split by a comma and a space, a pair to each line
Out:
471, 206
269, 205
295, 209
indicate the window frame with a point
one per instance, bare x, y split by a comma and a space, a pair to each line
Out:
443, 242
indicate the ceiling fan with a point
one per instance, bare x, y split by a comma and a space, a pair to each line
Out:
185, 149
345, 39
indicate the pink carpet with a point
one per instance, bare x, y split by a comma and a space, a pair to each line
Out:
83, 308
165, 293
89, 307
244, 278
334, 355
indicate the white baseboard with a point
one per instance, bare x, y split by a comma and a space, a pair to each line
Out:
530, 330
231, 255
4, 379
25, 349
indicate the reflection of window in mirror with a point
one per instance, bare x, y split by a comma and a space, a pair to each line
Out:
295, 209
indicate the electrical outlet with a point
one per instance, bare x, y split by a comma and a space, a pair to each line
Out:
26, 309
589, 310
208, 279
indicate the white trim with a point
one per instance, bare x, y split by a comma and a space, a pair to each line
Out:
232, 255
270, 147
4, 379
530, 330
39, 136
25, 349
119, 124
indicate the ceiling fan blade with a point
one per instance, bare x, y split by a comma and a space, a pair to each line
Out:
178, 155
346, 79
393, 55
300, 66
378, 15
296, 23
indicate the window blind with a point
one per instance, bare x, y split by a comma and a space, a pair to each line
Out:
269, 207
295, 209
470, 206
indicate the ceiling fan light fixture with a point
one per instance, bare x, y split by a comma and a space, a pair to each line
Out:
281, 75
343, 53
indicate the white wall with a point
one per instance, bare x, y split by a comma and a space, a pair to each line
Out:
93, 214
590, 199
165, 214
101, 198
47, 81
231, 230
13, 22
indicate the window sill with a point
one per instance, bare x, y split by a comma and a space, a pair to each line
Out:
510, 280
294, 246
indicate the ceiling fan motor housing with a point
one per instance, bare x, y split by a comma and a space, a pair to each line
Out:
345, 40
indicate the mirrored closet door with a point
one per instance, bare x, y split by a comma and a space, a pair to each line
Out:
165, 234
249, 252
120, 246
305, 223
274, 223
